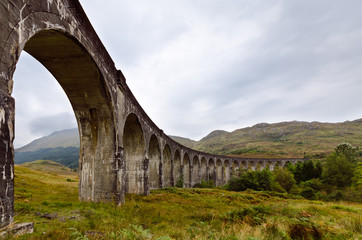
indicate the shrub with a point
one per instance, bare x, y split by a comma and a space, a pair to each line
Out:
180, 181
273, 232
252, 216
308, 193
256, 180
205, 184
285, 178
314, 183
304, 231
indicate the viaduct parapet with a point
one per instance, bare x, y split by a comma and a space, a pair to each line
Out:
121, 149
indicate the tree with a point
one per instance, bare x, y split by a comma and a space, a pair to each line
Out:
351, 153
307, 170
256, 180
298, 174
338, 171
285, 178
318, 170
357, 176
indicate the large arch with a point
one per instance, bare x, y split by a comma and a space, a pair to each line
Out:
187, 175
195, 170
53, 34
177, 170
154, 155
167, 166
77, 73
203, 169
134, 147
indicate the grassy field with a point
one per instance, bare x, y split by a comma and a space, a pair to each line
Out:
51, 202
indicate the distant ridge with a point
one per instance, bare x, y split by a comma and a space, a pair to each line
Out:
284, 139
64, 138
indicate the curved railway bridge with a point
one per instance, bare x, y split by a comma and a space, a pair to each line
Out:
121, 149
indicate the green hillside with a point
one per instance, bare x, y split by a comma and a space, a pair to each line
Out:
68, 156
285, 139
184, 141
50, 167
65, 138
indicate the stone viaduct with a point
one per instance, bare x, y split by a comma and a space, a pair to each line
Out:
121, 149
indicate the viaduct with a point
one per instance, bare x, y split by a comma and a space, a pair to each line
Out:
121, 149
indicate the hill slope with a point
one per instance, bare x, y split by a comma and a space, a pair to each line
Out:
285, 139
64, 138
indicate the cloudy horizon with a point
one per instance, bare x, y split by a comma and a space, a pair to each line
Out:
198, 66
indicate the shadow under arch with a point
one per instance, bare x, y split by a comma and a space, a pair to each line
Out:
167, 166
154, 155
134, 150
83, 83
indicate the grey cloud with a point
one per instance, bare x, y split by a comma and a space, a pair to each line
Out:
48, 124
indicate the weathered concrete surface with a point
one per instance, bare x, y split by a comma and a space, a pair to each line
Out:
121, 149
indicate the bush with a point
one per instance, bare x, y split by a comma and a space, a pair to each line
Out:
304, 231
308, 193
277, 188
338, 196
256, 180
314, 183
285, 178
205, 184
180, 181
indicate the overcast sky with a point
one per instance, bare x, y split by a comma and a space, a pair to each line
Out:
200, 65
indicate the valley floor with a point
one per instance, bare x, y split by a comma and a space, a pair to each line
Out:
51, 202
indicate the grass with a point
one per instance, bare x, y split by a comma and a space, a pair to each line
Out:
174, 213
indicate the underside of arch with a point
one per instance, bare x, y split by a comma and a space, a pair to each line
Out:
134, 146
77, 73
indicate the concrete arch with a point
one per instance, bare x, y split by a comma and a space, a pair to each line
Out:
203, 169
219, 173
69, 62
277, 164
211, 170
167, 166
286, 163
134, 148
154, 161
227, 172
260, 166
195, 170
177, 170
251, 165
244, 164
187, 170
235, 167
269, 165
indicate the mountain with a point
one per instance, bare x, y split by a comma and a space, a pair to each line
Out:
63, 138
61, 147
285, 139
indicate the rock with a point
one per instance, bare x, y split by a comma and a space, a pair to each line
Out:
18, 229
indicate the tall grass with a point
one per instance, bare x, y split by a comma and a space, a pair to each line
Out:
176, 213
